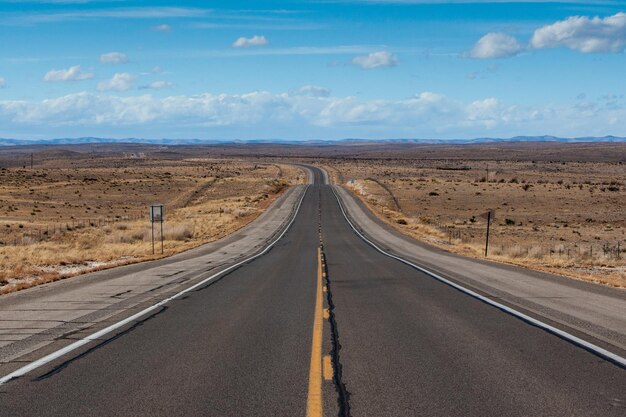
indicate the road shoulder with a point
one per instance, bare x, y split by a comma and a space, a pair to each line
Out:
52, 315
590, 310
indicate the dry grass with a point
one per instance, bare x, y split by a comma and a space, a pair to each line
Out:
100, 208
563, 218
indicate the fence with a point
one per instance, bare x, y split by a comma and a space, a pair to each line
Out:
29, 235
611, 250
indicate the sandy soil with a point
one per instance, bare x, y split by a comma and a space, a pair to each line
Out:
562, 217
75, 214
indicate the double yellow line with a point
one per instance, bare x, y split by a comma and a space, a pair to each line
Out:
319, 368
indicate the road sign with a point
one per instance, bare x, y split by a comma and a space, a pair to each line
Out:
157, 213
489, 214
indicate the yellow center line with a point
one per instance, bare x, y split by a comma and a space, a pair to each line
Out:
314, 400
328, 368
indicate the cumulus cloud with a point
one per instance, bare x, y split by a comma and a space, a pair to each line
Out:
584, 34
71, 74
3, 82
121, 81
162, 28
256, 40
157, 85
376, 60
262, 113
495, 45
579, 33
114, 58
486, 111
253, 108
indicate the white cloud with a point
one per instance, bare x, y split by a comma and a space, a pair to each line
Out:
3, 82
71, 74
495, 45
162, 28
584, 34
376, 60
256, 40
265, 114
310, 90
486, 112
157, 85
114, 58
121, 81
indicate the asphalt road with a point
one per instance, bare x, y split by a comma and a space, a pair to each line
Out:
245, 346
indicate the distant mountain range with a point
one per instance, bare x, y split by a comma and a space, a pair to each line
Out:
88, 140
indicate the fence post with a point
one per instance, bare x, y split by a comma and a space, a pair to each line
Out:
487, 239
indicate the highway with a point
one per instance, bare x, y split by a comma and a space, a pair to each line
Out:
322, 324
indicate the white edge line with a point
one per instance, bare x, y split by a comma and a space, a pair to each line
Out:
69, 348
612, 357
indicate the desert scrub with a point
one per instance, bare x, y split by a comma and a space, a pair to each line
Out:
205, 200
534, 212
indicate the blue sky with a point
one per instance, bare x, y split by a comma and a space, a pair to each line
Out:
311, 69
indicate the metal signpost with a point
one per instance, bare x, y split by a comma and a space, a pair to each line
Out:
157, 213
489, 215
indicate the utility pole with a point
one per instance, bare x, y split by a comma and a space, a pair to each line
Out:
31, 160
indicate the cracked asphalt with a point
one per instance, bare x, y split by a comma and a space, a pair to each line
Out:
407, 345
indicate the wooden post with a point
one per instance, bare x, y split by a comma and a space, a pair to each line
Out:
487, 238
152, 223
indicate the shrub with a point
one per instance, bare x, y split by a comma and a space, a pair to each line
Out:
517, 252
179, 232
241, 213
401, 221
509, 222
535, 252
433, 193
137, 235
